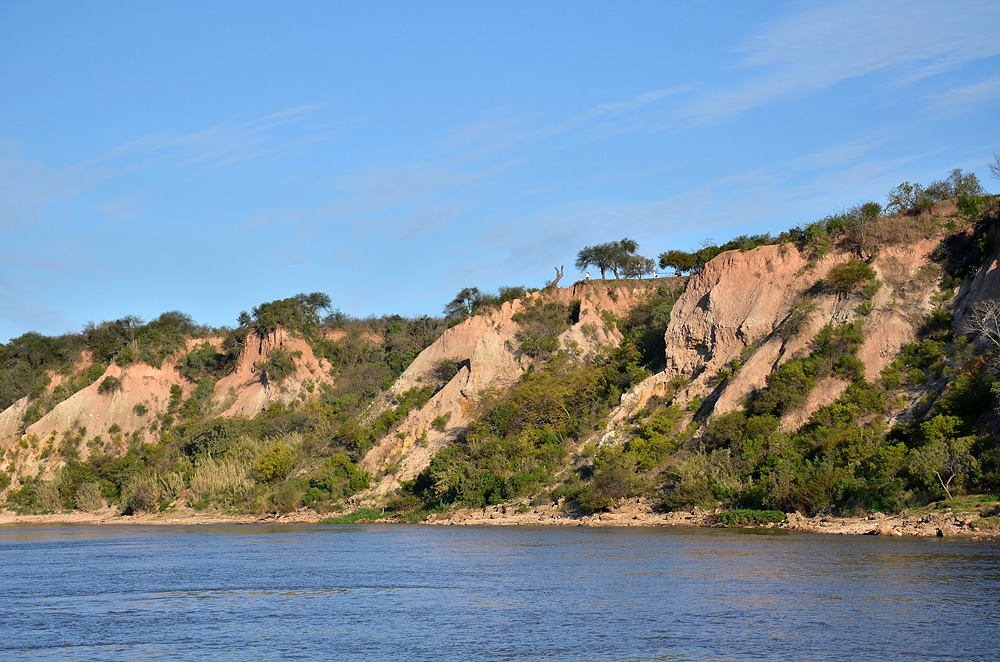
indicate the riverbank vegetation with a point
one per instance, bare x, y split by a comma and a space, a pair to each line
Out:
923, 430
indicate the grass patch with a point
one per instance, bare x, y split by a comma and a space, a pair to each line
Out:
359, 516
986, 524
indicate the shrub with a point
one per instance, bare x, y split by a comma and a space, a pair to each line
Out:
871, 288
748, 517
357, 516
801, 311
541, 325
849, 276
141, 493
205, 361
446, 369
441, 421
89, 497
276, 463
140, 409
338, 477
849, 367
289, 496
109, 385
614, 479
280, 365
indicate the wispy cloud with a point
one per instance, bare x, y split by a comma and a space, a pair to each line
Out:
837, 155
28, 186
967, 95
825, 45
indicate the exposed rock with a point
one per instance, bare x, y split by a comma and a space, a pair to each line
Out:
487, 347
735, 307
244, 393
143, 397
10, 420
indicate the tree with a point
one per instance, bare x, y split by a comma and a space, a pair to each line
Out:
995, 166
984, 321
613, 255
637, 266
300, 313
465, 303
680, 261
904, 197
944, 455
598, 256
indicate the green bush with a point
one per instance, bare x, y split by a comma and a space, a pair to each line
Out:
204, 361
440, 422
337, 477
109, 385
614, 479
849, 276
541, 323
357, 516
871, 288
280, 365
748, 517
289, 495
275, 463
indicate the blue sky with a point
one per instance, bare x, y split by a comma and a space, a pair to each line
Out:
209, 156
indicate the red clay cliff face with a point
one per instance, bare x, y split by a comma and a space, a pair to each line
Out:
244, 392
486, 347
144, 396
734, 308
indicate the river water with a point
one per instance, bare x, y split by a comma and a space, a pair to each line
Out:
370, 592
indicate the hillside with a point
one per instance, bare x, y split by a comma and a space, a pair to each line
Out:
847, 366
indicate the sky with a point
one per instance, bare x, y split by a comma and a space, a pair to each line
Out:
210, 156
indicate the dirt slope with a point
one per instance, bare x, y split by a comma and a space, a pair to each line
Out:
487, 348
144, 396
733, 308
243, 392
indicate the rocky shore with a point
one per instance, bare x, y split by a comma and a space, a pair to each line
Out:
943, 523
938, 524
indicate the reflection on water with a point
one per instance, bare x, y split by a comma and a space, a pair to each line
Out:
417, 593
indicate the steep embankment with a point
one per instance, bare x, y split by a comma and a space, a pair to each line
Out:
133, 402
486, 349
748, 312
246, 390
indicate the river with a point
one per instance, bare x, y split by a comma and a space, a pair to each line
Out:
371, 592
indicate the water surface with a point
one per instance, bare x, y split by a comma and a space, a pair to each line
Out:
370, 592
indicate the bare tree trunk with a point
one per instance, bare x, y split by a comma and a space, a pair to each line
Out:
559, 274
945, 485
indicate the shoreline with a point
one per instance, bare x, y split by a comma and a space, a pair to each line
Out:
944, 524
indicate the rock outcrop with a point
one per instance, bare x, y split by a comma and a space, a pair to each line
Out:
734, 309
